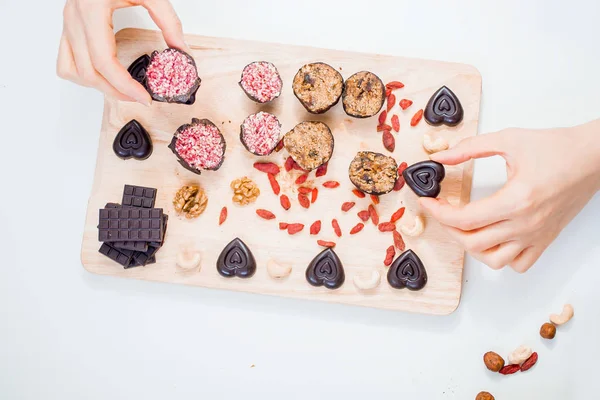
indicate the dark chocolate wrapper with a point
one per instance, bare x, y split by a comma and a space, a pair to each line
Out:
188, 98
184, 164
250, 96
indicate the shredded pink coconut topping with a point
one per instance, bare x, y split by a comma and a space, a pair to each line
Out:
171, 73
261, 80
261, 133
200, 146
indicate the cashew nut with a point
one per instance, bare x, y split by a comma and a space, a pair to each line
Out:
188, 259
278, 271
433, 146
416, 229
566, 314
364, 282
520, 355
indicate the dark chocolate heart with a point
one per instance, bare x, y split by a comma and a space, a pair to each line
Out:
236, 259
137, 69
133, 141
326, 269
444, 108
407, 272
424, 178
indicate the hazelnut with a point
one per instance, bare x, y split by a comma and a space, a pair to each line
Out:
548, 331
484, 396
493, 361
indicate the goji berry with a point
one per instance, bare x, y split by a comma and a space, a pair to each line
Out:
388, 92
391, 100
403, 165
397, 215
301, 179
398, 241
331, 184
266, 214
336, 227
303, 200
386, 227
279, 146
383, 128
358, 193
389, 256
416, 118
304, 190
289, 164
297, 167
321, 171
267, 167
364, 215
395, 123
283, 225
530, 362
510, 369
347, 206
294, 228
314, 195
389, 142
274, 184
325, 243
223, 215
400, 182
357, 228
373, 214
315, 228
285, 202
394, 85
374, 198
405, 103
382, 117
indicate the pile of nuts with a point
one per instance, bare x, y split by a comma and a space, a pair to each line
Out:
245, 191
190, 200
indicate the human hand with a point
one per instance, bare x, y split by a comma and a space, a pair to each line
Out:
88, 54
551, 173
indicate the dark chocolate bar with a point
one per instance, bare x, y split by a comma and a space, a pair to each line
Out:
119, 256
144, 257
138, 196
131, 224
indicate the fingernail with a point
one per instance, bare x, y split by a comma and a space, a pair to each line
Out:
145, 101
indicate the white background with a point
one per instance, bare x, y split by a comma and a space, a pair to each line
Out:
67, 334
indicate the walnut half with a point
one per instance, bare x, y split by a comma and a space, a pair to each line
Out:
190, 200
245, 191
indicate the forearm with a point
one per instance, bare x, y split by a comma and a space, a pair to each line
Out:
589, 134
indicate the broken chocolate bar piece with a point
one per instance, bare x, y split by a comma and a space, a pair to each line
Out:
120, 256
128, 245
138, 196
144, 257
131, 224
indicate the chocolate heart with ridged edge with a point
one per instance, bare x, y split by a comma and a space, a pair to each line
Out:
137, 69
326, 269
424, 178
236, 259
444, 108
133, 141
407, 271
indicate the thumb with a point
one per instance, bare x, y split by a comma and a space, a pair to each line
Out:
164, 16
490, 144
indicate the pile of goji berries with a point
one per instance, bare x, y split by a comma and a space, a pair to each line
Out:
389, 142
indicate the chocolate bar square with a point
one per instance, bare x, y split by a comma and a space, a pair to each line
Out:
138, 196
120, 256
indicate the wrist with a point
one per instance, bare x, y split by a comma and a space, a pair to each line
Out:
589, 134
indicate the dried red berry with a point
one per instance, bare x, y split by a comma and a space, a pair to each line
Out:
223, 215
395, 123
283, 225
374, 198
279, 146
388, 141
358, 193
364, 215
325, 243
304, 190
274, 184
301, 179
357, 228
303, 200
314, 195
400, 182
383, 128
399, 242
347, 206
389, 256
397, 215
294, 228
373, 214
266, 214
336, 227
321, 171
416, 118
510, 369
386, 227
403, 165
297, 167
405, 103
388, 92
289, 164
382, 117
391, 100
530, 362
267, 167
315, 228
285, 202
331, 184
394, 85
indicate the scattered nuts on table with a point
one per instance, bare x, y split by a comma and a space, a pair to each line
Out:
566, 314
416, 229
493, 361
367, 281
520, 354
484, 396
433, 146
190, 200
188, 259
245, 191
548, 331
277, 270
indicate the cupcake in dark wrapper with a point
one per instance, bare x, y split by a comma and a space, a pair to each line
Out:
261, 81
260, 133
199, 146
364, 95
310, 144
172, 76
318, 86
373, 173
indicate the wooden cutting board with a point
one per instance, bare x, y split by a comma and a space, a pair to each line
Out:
220, 99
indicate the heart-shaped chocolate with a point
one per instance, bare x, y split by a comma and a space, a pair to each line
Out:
407, 272
424, 178
137, 69
444, 108
326, 269
236, 259
133, 141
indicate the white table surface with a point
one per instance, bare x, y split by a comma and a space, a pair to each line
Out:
67, 334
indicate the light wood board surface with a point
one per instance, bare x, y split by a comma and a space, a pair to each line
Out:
220, 99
